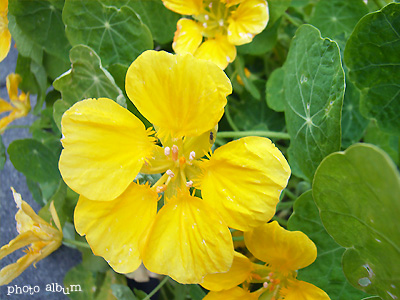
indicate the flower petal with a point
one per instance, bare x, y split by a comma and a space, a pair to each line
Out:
243, 181
235, 293
187, 36
249, 19
200, 145
12, 83
105, 147
5, 106
157, 163
181, 95
21, 240
284, 250
12, 271
218, 50
184, 7
237, 274
187, 241
301, 290
113, 229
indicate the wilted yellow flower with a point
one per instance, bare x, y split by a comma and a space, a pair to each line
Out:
19, 106
5, 36
105, 147
42, 237
217, 27
284, 252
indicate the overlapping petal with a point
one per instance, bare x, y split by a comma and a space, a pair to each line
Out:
5, 36
181, 95
301, 290
249, 19
188, 36
218, 50
235, 293
105, 147
243, 181
113, 229
286, 251
157, 163
184, 7
187, 241
201, 144
238, 273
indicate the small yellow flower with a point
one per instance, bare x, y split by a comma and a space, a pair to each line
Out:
217, 26
19, 106
105, 147
5, 36
42, 237
284, 252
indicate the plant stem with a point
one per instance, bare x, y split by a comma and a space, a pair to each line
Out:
75, 243
290, 194
239, 134
230, 120
380, 3
292, 20
159, 286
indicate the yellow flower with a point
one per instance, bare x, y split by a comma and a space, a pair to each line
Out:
19, 106
217, 27
284, 252
105, 147
5, 36
42, 237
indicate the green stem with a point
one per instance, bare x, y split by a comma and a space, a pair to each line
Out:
238, 238
281, 221
159, 286
17, 126
230, 120
75, 243
239, 134
290, 194
292, 20
380, 3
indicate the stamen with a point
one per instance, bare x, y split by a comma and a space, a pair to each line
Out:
205, 25
192, 155
265, 285
175, 151
189, 183
182, 160
161, 188
167, 151
221, 22
210, 5
206, 17
170, 173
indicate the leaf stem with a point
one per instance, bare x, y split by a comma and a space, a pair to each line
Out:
230, 120
159, 286
239, 134
75, 243
292, 20
380, 3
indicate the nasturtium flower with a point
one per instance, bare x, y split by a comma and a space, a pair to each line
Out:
284, 252
19, 105
105, 147
5, 36
217, 26
42, 237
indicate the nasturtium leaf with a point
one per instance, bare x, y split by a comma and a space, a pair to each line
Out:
116, 34
41, 21
122, 292
86, 79
372, 55
275, 93
160, 20
358, 195
248, 84
2, 154
353, 123
34, 160
333, 17
276, 9
326, 272
314, 89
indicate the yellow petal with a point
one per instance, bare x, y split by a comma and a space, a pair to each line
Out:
187, 241
237, 274
181, 95
187, 36
201, 144
5, 36
12, 82
301, 290
5, 106
249, 19
7, 120
229, 3
218, 50
235, 293
20, 241
157, 163
105, 147
3, 7
113, 228
8, 273
184, 7
284, 250
243, 181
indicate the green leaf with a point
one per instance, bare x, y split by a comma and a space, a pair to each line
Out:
314, 89
58, 198
2, 154
276, 9
326, 272
116, 34
161, 24
86, 79
334, 17
372, 55
34, 160
275, 93
357, 193
122, 292
39, 26
248, 84
196, 292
